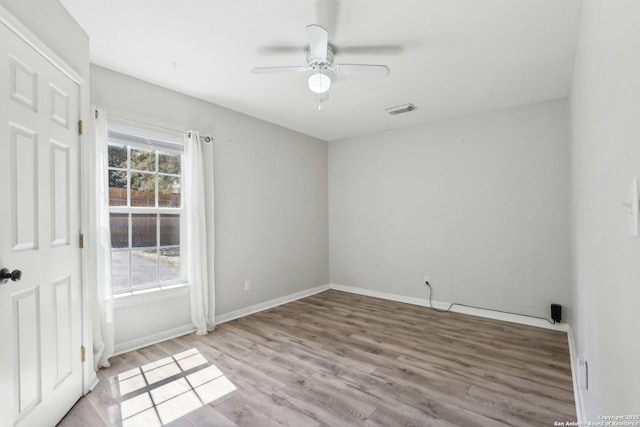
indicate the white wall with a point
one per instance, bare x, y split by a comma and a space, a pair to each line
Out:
480, 204
270, 195
605, 127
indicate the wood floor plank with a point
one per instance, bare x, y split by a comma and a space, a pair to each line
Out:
277, 408
83, 414
208, 416
325, 406
338, 359
240, 411
525, 385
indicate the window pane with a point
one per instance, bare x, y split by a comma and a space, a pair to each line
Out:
169, 230
143, 160
119, 230
169, 264
169, 191
144, 267
145, 247
117, 188
117, 157
120, 269
169, 164
144, 230
143, 189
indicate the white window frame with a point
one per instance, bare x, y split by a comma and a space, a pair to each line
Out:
125, 135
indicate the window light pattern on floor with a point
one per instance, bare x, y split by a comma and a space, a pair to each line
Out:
160, 392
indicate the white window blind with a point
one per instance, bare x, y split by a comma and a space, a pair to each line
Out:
149, 139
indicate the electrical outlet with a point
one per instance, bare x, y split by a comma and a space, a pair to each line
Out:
247, 285
426, 279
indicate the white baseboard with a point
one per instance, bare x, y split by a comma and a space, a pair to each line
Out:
489, 314
269, 304
577, 391
152, 339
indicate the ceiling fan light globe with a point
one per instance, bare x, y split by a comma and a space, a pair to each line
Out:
319, 83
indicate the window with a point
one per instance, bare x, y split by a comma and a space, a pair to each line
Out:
145, 208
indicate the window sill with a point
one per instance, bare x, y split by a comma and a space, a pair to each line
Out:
144, 296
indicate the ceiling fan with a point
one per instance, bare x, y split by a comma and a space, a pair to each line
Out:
320, 60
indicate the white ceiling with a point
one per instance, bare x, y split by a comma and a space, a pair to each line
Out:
448, 57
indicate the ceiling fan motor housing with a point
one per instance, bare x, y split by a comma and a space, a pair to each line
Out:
320, 64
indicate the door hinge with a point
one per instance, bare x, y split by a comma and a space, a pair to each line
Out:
79, 127
83, 354
81, 241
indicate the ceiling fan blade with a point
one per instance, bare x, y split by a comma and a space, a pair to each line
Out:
327, 14
318, 41
275, 49
360, 70
271, 70
392, 49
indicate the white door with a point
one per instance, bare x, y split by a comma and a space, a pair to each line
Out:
40, 315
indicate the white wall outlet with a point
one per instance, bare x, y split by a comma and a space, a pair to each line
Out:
247, 285
426, 279
583, 373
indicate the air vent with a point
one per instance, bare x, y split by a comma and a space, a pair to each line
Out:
400, 109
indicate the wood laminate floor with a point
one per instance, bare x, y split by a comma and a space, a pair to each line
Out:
338, 359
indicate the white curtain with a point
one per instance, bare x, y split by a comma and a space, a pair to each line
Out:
198, 184
103, 335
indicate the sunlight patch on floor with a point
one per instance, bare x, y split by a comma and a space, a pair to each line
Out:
154, 405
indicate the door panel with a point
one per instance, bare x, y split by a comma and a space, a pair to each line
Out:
24, 187
24, 84
60, 202
40, 315
63, 329
26, 339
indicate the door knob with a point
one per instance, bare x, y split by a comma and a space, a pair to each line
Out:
5, 275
